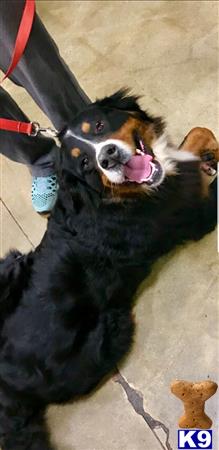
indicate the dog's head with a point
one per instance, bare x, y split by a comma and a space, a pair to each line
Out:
124, 146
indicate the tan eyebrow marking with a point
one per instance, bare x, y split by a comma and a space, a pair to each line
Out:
75, 152
85, 127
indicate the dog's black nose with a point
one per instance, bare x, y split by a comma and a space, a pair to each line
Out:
108, 156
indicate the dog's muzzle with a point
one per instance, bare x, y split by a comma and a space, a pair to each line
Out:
111, 155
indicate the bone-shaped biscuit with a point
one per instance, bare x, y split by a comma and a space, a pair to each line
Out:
194, 396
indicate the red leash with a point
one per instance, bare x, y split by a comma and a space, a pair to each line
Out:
14, 125
25, 27
22, 35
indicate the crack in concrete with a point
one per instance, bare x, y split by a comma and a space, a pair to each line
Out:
136, 399
17, 223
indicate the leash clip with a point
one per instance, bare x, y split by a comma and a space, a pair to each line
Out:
36, 129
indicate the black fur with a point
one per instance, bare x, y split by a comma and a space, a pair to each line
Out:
123, 101
65, 309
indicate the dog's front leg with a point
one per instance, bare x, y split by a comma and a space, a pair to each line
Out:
202, 143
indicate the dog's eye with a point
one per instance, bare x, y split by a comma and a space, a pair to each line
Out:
85, 162
99, 126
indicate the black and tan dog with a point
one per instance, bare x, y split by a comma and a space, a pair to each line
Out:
126, 197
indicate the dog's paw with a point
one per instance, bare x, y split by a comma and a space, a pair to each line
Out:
202, 143
209, 162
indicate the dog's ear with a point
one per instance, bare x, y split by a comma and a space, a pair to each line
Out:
121, 100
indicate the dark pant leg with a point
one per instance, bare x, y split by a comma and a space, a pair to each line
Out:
41, 71
37, 152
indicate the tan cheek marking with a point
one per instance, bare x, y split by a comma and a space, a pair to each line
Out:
75, 152
85, 127
105, 181
125, 133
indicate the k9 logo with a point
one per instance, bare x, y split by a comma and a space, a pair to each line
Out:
197, 439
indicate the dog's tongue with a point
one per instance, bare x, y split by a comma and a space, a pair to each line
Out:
138, 168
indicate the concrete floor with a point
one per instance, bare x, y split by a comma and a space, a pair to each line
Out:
166, 51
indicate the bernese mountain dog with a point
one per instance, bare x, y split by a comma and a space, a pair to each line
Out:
126, 197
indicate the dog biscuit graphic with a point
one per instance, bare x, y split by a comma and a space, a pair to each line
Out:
194, 396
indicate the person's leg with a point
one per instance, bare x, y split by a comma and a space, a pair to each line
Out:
44, 74
37, 153
41, 71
